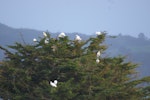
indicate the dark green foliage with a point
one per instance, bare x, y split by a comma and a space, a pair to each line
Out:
26, 71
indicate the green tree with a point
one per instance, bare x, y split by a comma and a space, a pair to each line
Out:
27, 69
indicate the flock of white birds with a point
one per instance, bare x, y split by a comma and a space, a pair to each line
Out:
77, 38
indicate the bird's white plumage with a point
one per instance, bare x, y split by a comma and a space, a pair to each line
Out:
62, 35
44, 33
34, 40
98, 33
78, 38
53, 48
98, 54
97, 60
55, 81
46, 41
54, 84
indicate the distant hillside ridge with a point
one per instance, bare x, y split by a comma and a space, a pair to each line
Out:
135, 49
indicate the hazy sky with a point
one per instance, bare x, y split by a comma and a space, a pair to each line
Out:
84, 16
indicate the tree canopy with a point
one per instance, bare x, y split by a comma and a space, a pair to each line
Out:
28, 71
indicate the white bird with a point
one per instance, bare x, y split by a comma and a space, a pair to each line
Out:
98, 33
44, 33
53, 48
34, 40
62, 35
98, 54
46, 41
54, 84
97, 60
78, 38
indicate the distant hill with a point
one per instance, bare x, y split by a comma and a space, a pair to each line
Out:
9, 35
136, 49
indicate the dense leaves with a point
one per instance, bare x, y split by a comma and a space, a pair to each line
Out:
27, 69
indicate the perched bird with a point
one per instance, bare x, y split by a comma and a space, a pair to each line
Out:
98, 54
98, 33
53, 84
46, 41
44, 33
78, 38
34, 40
97, 60
62, 35
54, 48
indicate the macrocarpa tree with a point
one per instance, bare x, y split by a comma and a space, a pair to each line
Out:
64, 69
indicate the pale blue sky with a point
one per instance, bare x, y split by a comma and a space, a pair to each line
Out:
84, 16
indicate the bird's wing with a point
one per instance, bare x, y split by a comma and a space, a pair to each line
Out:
55, 81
